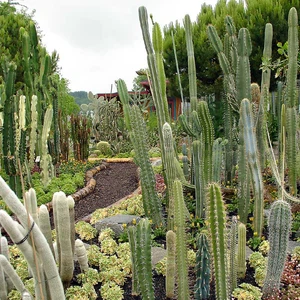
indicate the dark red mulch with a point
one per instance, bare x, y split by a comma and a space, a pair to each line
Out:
113, 183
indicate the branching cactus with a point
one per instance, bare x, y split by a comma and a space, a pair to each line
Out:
254, 164
181, 249
171, 265
279, 230
241, 251
216, 219
202, 269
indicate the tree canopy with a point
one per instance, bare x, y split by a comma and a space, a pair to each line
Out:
254, 15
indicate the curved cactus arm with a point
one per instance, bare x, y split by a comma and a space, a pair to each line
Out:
81, 254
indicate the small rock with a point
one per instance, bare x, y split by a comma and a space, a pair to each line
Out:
157, 254
116, 223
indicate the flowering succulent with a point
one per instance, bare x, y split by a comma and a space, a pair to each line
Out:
94, 255
264, 247
108, 246
247, 291
84, 292
89, 276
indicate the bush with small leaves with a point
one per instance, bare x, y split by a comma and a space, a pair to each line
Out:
247, 291
85, 230
94, 255
108, 246
84, 292
89, 276
259, 263
111, 291
106, 233
264, 247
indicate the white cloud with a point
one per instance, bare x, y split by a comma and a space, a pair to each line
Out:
100, 41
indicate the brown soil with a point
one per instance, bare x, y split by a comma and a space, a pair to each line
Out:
116, 181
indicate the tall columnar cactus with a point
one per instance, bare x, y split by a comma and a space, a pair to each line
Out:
241, 251
33, 132
181, 249
202, 269
170, 170
264, 95
143, 259
216, 219
46, 161
199, 180
171, 265
279, 230
191, 63
244, 177
132, 243
63, 237
217, 158
291, 101
151, 201
243, 76
232, 255
156, 76
42, 248
254, 164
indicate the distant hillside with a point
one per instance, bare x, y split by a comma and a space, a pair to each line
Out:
80, 97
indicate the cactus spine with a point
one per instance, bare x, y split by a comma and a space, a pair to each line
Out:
171, 266
216, 219
279, 229
181, 250
202, 269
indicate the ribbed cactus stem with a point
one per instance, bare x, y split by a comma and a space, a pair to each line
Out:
151, 201
81, 254
132, 243
216, 219
62, 226
171, 265
202, 269
143, 259
191, 63
243, 76
46, 158
279, 230
292, 100
33, 131
181, 249
199, 178
241, 251
217, 159
232, 254
45, 226
252, 156
170, 170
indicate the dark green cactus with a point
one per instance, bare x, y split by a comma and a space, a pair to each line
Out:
216, 219
202, 269
132, 243
279, 230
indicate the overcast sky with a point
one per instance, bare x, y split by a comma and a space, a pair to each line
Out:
100, 41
